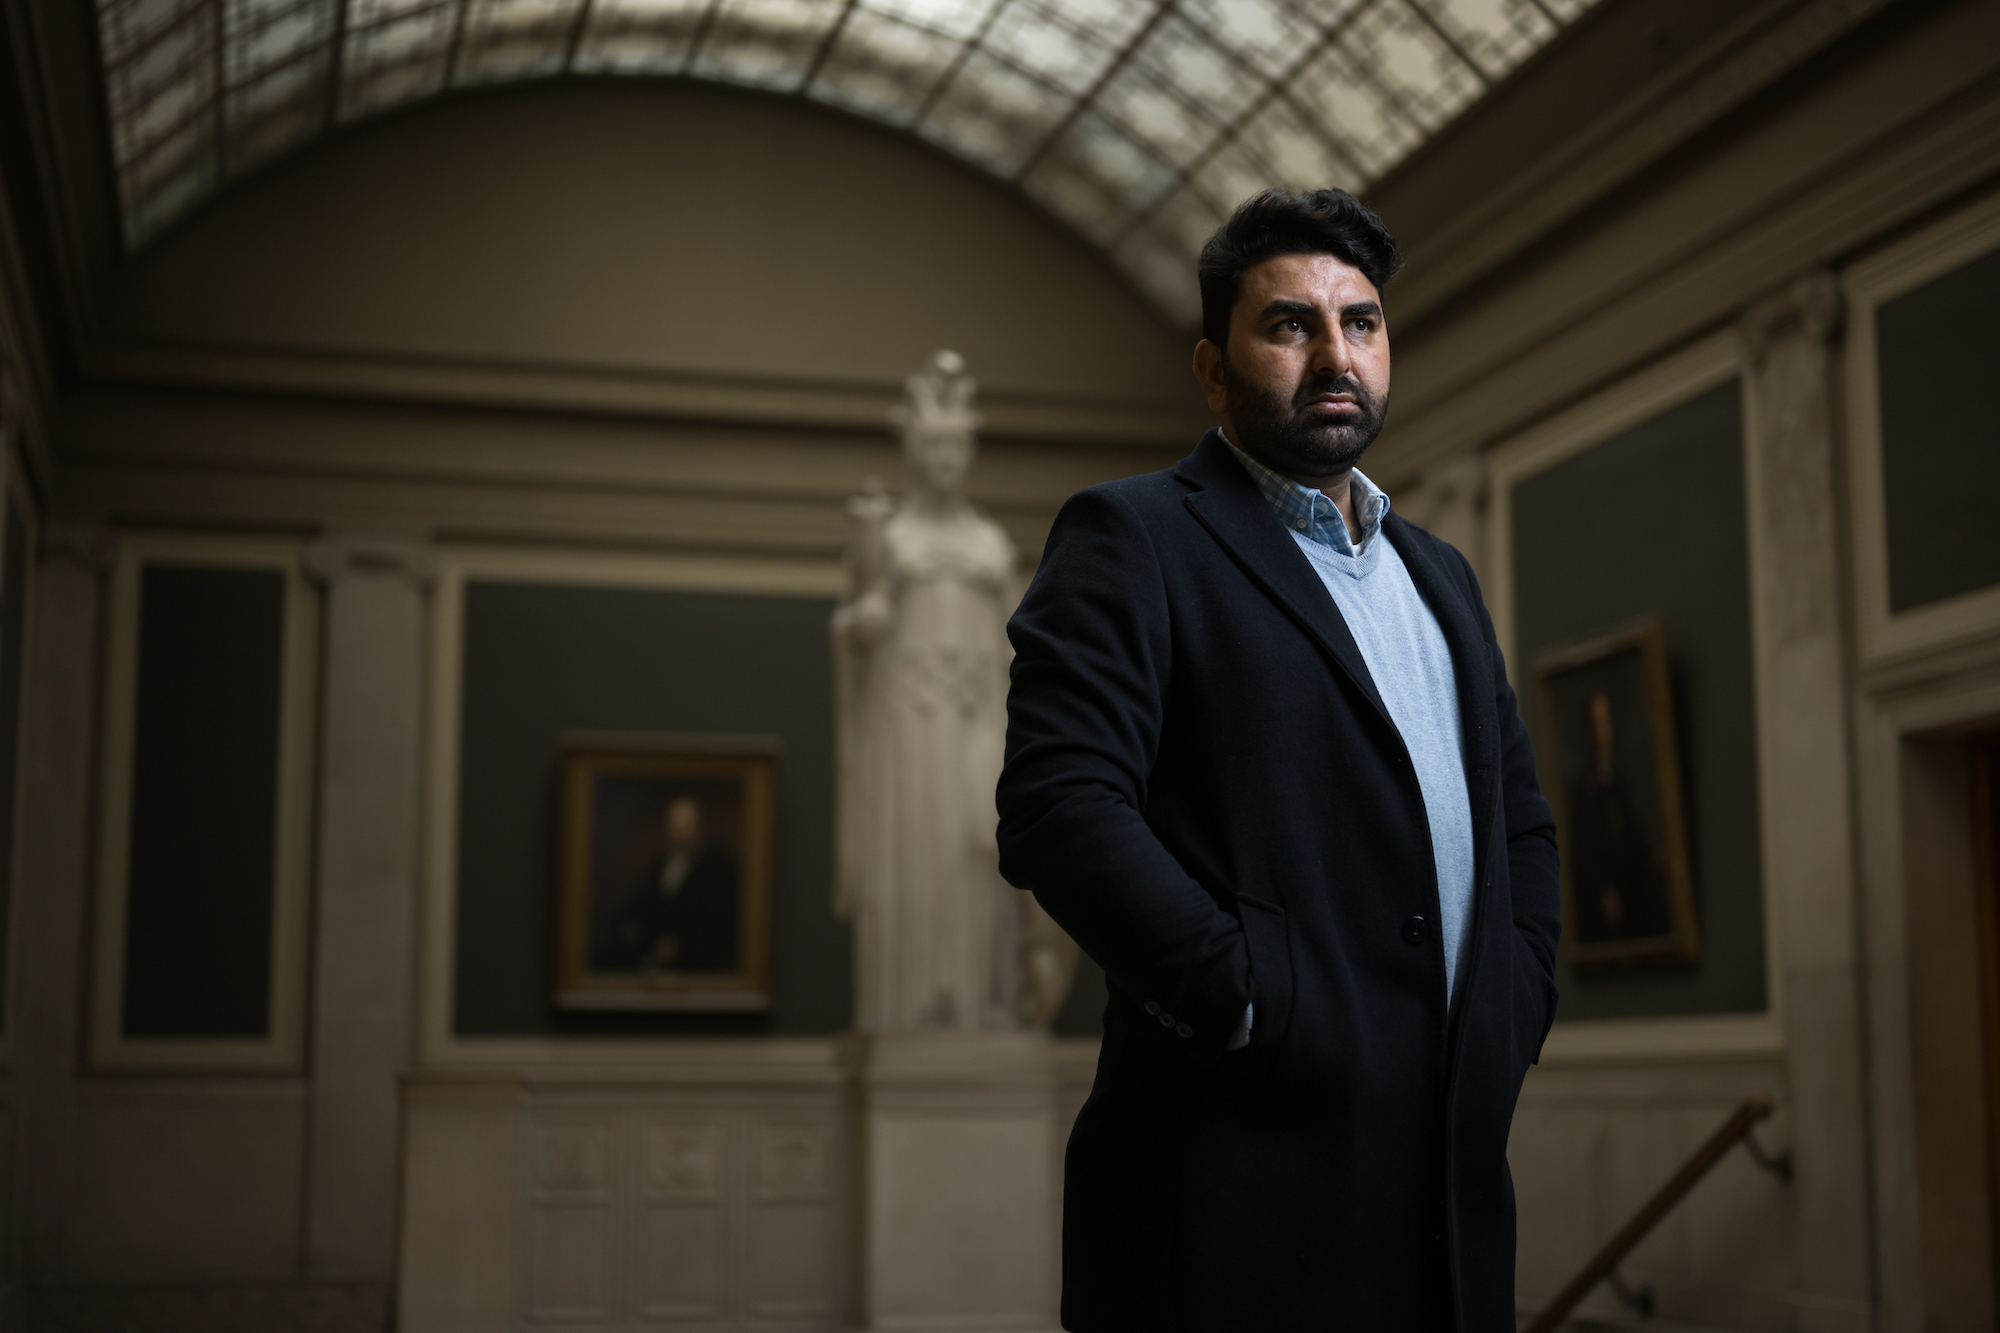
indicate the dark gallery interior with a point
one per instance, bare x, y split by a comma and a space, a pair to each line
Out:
439, 444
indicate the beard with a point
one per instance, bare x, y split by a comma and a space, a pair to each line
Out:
1276, 433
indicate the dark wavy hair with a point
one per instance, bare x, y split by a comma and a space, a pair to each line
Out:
1318, 222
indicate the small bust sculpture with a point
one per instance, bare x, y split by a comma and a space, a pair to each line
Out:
921, 657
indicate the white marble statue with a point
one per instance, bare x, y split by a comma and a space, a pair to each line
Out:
921, 656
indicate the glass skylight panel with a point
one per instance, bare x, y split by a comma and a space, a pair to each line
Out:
1496, 34
362, 13
994, 114
1073, 193
266, 117
766, 43
952, 18
1270, 35
396, 60
514, 39
162, 83
1172, 127
169, 179
1051, 42
259, 35
123, 26
884, 67
1354, 111
1184, 64
1140, 122
1188, 218
1410, 62
1231, 174
1100, 151
639, 36
1290, 150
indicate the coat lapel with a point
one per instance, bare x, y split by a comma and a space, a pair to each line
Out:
1227, 502
1471, 663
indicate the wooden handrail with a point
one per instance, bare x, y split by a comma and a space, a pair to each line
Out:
1607, 1258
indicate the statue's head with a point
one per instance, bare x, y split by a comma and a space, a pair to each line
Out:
938, 423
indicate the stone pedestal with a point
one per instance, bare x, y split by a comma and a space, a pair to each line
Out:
957, 1185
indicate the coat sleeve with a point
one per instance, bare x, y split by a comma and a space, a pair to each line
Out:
1092, 666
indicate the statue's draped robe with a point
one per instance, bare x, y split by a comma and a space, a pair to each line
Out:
922, 717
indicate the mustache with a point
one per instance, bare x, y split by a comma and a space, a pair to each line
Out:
1346, 384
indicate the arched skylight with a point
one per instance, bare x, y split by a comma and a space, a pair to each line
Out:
1139, 122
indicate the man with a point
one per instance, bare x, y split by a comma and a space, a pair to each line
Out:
1619, 876
682, 915
1264, 765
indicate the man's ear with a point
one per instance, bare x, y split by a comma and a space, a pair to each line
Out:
1208, 371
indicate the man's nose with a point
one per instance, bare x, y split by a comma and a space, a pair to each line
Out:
1330, 355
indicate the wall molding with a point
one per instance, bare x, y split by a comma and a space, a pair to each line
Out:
1703, 365
13, 484
283, 1048
1707, 84
1680, 266
1885, 719
667, 394
1889, 638
439, 1047
212, 1307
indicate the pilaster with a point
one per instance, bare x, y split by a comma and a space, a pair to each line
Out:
366, 898
59, 745
1807, 783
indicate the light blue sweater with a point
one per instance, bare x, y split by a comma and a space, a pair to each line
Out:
1409, 661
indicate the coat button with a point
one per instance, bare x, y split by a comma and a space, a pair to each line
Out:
1184, 1030
1153, 1007
1413, 930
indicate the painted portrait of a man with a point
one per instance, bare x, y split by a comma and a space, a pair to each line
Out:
1608, 743
682, 911
664, 894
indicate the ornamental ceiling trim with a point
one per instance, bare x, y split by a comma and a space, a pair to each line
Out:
1139, 123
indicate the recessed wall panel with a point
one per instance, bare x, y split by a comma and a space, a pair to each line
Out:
1653, 521
1938, 348
200, 885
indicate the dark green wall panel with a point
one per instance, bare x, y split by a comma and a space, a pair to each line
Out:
204, 802
540, 660
1938, 350
1653, 521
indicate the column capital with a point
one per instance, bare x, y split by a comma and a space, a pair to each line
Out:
1809, 304
345, 554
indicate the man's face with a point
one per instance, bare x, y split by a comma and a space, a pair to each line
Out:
683, 826
1304, 385
1600, 729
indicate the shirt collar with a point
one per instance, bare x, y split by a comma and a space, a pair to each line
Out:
1309, 512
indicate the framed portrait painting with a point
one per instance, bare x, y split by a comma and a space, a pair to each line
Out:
1611, 769
668, 846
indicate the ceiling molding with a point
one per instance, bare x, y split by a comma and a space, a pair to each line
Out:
679, 396
1769, 41
1938, 151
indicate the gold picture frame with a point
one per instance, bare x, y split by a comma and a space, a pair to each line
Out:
668, 855
1611, 770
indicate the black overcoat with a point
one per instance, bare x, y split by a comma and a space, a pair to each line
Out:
1203, 788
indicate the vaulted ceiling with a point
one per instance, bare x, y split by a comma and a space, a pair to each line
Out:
1139, 122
